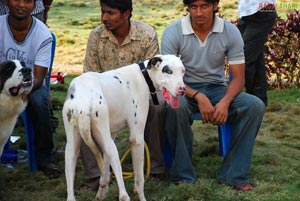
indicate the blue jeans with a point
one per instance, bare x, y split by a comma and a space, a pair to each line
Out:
39, 110
245, 114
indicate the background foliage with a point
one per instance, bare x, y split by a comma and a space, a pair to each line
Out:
283, 52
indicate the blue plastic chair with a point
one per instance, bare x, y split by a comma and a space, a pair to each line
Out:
224, 132
28, 122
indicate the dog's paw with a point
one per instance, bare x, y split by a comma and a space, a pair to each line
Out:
125, 198
102, 192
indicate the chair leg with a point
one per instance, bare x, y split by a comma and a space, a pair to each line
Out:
224, 132
29, 141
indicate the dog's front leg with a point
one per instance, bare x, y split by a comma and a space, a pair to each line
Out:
138, 166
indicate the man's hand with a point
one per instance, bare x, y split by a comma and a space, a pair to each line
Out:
205, 107
220, 113
216, 115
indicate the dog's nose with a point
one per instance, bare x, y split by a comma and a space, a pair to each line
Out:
26, 70
181, 91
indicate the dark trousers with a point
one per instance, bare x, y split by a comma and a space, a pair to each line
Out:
39, 110
255, 29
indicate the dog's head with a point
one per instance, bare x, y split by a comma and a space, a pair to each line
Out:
166, 72
15, 78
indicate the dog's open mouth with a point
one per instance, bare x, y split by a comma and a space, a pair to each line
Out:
172, 100
14, 91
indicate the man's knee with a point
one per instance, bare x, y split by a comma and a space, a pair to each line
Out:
252, 104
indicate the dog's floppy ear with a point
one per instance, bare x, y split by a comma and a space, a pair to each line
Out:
154, 62
6, 70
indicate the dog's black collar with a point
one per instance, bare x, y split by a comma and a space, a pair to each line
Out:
149, 82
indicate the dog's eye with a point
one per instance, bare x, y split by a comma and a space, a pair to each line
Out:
166, 69
23, 63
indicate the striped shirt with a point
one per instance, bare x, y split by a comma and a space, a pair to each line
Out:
39, 7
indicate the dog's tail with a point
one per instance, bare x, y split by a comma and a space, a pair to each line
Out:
78, 115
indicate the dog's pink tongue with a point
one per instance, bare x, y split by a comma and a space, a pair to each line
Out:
14, 90
173, 101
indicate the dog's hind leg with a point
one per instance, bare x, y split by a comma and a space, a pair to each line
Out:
71, 155
104, 180
114, 160
111, 157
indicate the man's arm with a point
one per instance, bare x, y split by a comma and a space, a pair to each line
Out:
42, 63
236, 60
39, 76
235, 87
237, 83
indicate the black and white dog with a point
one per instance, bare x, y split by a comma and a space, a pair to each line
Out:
15, 84
99, 104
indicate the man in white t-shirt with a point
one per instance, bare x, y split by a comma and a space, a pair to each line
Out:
256, 19
25, 38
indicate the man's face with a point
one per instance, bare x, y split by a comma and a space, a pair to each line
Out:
112, 18
202, 12
20, 9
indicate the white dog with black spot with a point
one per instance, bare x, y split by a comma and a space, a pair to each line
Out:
15, 84
98, 104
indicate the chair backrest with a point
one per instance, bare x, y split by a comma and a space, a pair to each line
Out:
51, 62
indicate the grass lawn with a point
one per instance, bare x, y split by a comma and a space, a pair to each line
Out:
275, 166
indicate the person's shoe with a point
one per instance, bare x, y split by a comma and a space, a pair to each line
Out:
91, 184
159, 176
51, 171
243, 187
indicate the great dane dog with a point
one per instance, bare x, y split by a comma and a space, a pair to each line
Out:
98, 104
15, 84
